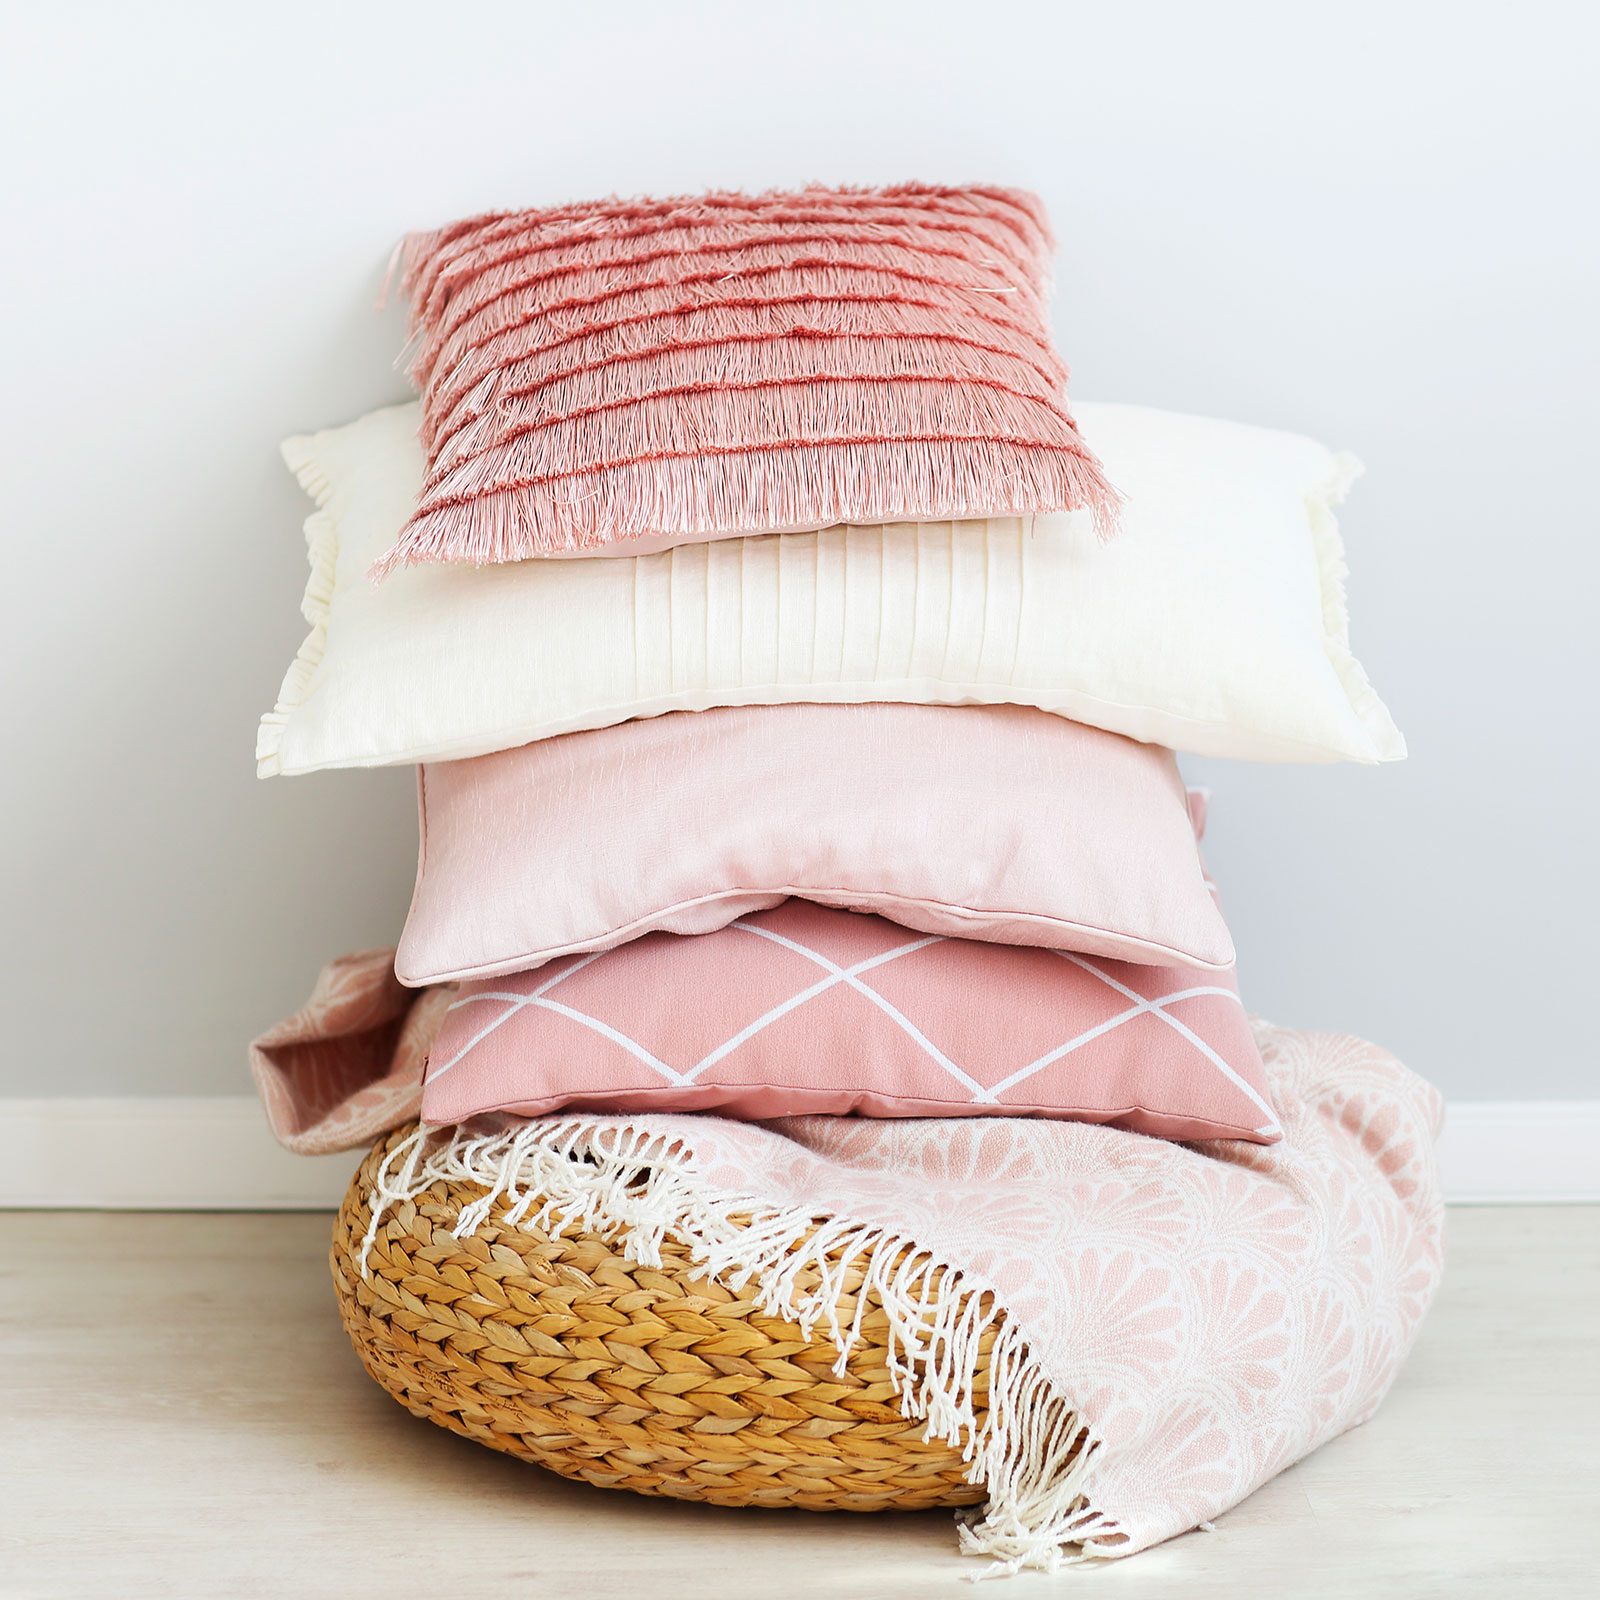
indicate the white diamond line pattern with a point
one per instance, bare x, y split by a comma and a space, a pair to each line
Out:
852, 976
515, 1003
540, 998
1156, 1009
505, 1016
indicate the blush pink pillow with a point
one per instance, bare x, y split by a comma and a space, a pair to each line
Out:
698, 368
987, 822
806, 1009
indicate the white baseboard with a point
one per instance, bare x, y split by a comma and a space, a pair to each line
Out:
167, 1153
215, 1154
1507, 1152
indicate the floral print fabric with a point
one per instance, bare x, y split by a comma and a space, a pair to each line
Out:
1215, 1311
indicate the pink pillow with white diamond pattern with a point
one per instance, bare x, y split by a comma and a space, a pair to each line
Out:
806, 1008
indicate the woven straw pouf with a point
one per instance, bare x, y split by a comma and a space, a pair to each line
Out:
562, 1352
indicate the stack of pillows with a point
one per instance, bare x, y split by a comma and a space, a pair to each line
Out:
793, 678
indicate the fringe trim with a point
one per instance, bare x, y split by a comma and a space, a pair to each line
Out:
977, 223
322, 553
885, 341
1030, 1449
1018, 211
629, 315
723, 411
731, 492
588, 275
1388, 743
701, 412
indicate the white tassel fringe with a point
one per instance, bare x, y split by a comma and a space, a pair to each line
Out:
1029, 1448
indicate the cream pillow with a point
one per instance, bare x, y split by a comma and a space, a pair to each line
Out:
1216, 623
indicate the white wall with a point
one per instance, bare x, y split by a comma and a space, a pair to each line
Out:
1371, 222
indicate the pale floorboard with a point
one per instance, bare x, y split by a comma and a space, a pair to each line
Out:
180, 1416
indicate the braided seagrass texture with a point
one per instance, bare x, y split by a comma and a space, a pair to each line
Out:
564, 1353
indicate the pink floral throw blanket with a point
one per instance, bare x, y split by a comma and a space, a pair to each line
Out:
1174, 1323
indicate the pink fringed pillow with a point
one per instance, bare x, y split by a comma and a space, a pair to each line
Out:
670, 371
806, 1009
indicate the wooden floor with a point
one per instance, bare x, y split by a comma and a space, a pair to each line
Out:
180, 1416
